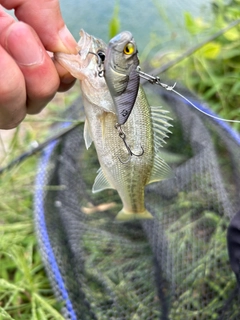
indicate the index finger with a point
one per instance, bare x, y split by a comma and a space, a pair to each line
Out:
46, 19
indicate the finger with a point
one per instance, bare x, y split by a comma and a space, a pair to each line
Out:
66, 79
46, 19
12, 92
41, 77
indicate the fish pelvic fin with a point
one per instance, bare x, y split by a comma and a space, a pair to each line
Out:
125, 215
87, 136
101, 182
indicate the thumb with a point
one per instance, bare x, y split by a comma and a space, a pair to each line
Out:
46, 19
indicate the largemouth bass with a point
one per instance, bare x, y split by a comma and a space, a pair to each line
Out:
144, 131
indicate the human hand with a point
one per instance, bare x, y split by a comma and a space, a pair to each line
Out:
29, 78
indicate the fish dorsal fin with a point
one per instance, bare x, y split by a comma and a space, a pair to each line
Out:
160, 122
86, 134
160, 170
101, 182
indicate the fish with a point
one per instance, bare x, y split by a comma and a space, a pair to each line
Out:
117, 147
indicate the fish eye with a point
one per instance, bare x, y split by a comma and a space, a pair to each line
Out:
101, 55
129, 48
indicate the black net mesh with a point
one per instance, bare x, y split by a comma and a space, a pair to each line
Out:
175, 266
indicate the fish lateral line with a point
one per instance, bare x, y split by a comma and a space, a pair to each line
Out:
156, 80
122, 135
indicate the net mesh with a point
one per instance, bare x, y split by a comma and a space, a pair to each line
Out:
175, 266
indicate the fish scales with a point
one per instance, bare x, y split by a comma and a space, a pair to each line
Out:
130, 178
135, 174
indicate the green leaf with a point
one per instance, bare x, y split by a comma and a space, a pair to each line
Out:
210, 50
232, 34
193, 25
45, 305
189, 23
4, 315
4, 284
114, 24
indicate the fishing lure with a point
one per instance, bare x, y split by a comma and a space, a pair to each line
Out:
121, 74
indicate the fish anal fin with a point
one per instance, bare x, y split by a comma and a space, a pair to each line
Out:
101, 182
87, 137
160, 170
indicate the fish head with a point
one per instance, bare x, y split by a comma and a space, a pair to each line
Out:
91, 51
120, 72
85, 64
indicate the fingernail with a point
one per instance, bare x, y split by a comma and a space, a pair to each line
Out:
67, 39
24, 46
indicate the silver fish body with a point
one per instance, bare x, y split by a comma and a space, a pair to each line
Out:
145, 129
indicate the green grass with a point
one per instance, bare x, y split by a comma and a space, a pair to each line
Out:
212, 72
25, 291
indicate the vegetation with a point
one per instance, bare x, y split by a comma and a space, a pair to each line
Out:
212, 72
25, 292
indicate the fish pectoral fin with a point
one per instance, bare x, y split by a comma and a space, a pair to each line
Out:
101, 182
86, 134
160, 170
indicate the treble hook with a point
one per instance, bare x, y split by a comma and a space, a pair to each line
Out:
100, 64
122, 135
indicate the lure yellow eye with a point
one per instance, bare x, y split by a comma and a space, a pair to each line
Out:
129, 48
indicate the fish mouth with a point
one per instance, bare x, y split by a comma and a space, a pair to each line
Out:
84, 44
88, 61
88, 46
87, 57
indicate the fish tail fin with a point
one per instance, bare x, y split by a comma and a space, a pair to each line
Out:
124, 215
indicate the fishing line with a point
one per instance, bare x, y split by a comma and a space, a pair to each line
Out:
156, 80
